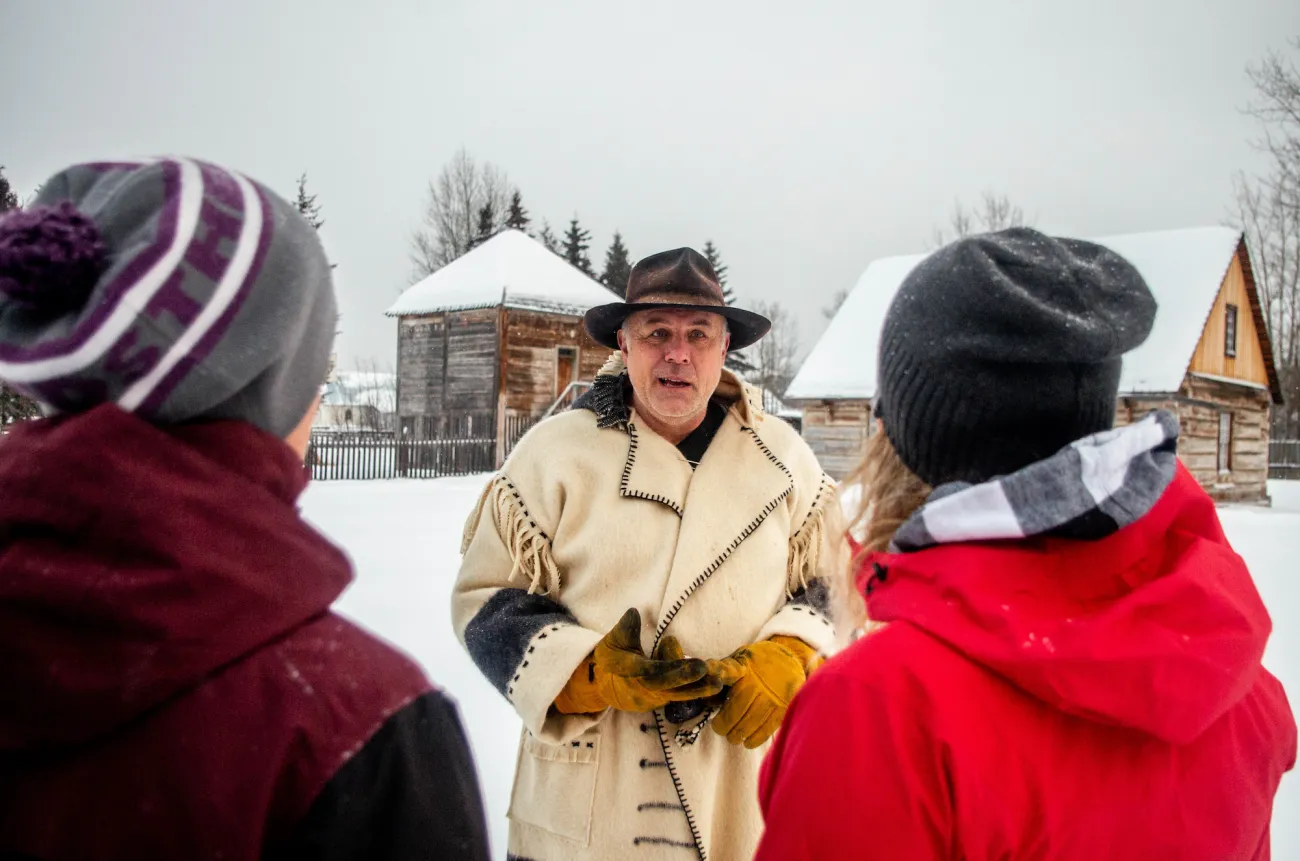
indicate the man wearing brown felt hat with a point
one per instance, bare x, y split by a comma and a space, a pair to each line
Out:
645, 566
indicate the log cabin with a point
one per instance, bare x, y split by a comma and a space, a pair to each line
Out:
1208, 360
492, 341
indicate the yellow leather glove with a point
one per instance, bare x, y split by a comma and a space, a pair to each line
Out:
763, 678
619, 675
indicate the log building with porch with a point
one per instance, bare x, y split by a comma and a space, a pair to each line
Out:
1208, 360
492, 342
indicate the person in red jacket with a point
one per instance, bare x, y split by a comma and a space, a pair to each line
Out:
1063, 657
173, 684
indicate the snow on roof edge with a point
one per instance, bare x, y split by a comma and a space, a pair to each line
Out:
1175, 263
512, 269
522, 303
414, 312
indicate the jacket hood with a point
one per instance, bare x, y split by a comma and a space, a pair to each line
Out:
1157, 627
135, 561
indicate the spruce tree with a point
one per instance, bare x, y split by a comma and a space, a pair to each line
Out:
617, 266
715, 260
13, 406
576, 243
546, 236
516, 215
737, 362
307, 205
8, 200
486, 225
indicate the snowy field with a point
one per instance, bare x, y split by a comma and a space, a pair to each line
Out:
404, 538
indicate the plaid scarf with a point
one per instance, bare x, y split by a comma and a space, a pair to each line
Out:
1090, 489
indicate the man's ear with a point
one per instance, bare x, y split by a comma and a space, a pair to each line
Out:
622, 345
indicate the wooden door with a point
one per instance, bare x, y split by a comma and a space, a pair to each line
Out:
566, 368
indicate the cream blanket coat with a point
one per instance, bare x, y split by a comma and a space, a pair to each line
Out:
593, 513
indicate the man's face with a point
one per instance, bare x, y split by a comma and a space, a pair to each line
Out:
674, 359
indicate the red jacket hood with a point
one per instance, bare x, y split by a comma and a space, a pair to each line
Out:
1158, 627
136, 561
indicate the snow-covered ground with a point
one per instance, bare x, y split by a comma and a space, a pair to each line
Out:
404, 537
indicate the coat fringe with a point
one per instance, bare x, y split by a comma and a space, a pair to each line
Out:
806, 544
529, 546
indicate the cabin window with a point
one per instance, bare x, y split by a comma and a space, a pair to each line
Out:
566, 368
1230, 332
1225, 442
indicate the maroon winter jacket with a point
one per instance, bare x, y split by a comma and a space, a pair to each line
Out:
172, 682
1044, 699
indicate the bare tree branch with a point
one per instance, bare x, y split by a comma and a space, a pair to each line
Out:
995, 212
455, 199
774, 356
1267, 209
999, 213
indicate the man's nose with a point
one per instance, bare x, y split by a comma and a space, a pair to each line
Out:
676, 351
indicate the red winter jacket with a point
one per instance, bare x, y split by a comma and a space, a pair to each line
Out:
1044, 699
172, 682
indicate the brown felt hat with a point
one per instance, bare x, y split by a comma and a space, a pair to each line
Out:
681, 278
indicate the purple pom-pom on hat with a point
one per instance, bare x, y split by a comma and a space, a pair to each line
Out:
50, 257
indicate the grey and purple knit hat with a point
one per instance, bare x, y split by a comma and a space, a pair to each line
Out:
176, 289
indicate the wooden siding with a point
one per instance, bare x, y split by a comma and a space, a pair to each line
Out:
837, 433
1198, 406
471, 361
531, 358
446, 366
1210, 356
420, 364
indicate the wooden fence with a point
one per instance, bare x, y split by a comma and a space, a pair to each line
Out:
1284, 458
368, 455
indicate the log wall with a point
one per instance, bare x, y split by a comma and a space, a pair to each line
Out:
531, 358
447, 370
1198, 406
837, 433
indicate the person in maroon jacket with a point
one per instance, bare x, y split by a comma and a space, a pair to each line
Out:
173, 684
1063, 658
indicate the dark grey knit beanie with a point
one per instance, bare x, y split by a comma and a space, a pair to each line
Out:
176, 289
1001, 349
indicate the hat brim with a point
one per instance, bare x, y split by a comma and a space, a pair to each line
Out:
604, 321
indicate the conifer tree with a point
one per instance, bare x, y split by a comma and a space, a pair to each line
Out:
576, 242
617, 266
13, 406
546, 236
307, 205
8, 199
715, 260
486, 225
516, 215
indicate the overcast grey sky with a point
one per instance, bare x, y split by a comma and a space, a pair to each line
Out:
804, 141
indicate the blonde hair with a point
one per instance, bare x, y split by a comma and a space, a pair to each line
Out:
888, 494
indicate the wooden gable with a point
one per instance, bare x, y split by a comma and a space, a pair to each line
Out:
1249, 358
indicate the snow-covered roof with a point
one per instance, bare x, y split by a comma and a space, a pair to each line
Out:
1183, 268
510, 268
